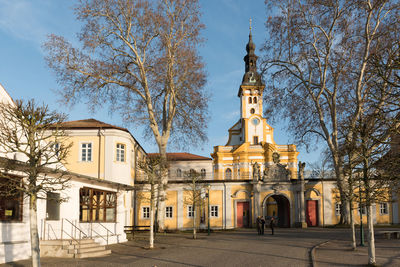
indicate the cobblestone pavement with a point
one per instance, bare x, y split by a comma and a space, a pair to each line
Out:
288, 247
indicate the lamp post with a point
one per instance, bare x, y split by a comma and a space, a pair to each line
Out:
361, 217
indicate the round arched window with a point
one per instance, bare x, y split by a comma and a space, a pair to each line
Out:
228, 174
252, 111
255, 100
250, 100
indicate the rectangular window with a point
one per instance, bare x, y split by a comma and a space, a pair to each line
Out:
53, 206
97, 205
214, 211
384, 208
11, 204
86, 152
168, 212
146, 212
121, 152
337, 209
255, 140
190, 211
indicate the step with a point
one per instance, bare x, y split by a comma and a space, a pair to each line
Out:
65, 242
76, 246
84, 250
99, 253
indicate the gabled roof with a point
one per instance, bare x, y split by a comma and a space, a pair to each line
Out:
180, 156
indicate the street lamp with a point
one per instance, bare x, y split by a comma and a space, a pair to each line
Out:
208, 217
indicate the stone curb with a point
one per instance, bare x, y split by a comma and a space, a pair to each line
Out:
312, 253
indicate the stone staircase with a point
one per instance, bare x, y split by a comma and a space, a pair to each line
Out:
67, 248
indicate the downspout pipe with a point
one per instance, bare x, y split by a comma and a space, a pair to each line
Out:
224, 205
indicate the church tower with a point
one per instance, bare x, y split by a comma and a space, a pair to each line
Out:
251, 137
251, 95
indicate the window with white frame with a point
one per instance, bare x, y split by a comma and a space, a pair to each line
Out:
179, 173
214, 211
168, 212
121, 152
203, 173
190, 211
86, 152
337, 209
146, 212
383, 208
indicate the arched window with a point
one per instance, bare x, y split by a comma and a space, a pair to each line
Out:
250, 100
228, 174
255, 100
203, 173
252, 111
179, 173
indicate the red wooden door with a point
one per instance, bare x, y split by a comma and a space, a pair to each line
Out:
312, 213
242, 214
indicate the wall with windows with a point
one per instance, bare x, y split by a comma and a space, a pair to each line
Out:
179, 169
118, 156
84, 154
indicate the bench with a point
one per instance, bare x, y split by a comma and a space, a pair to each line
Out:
131, 229
389, 234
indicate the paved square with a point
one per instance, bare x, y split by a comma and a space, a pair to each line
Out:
288, 247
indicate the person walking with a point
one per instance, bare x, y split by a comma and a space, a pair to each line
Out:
262, 225
272, 224
258, 225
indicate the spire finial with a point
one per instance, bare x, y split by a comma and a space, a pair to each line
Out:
250, 25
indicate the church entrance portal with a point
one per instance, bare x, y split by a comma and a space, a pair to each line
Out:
278, 206
242, 214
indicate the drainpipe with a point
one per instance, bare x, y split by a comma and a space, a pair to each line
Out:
134, 183
99, 159
224, 205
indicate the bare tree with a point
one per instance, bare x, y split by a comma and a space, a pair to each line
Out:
196, 191
151, 169
318, 60
374, 163
33, 134
141, 56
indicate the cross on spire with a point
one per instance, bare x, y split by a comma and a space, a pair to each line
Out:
250, 24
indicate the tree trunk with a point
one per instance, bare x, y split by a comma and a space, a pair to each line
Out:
161, 190
353, 230
371, 237
151, 238
35, 248
194, 222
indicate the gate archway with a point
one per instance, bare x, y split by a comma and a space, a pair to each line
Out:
277, 206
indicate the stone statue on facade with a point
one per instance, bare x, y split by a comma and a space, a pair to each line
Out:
302, 165
256, 172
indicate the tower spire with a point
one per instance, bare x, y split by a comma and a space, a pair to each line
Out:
250, 26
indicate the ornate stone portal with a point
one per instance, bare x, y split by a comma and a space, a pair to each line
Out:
276, 171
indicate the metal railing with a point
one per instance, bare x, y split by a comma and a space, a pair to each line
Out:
99, 235
46, 226
74, 227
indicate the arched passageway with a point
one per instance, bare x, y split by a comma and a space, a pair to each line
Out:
278, 206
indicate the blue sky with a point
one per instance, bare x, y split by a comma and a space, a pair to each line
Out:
24, 25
